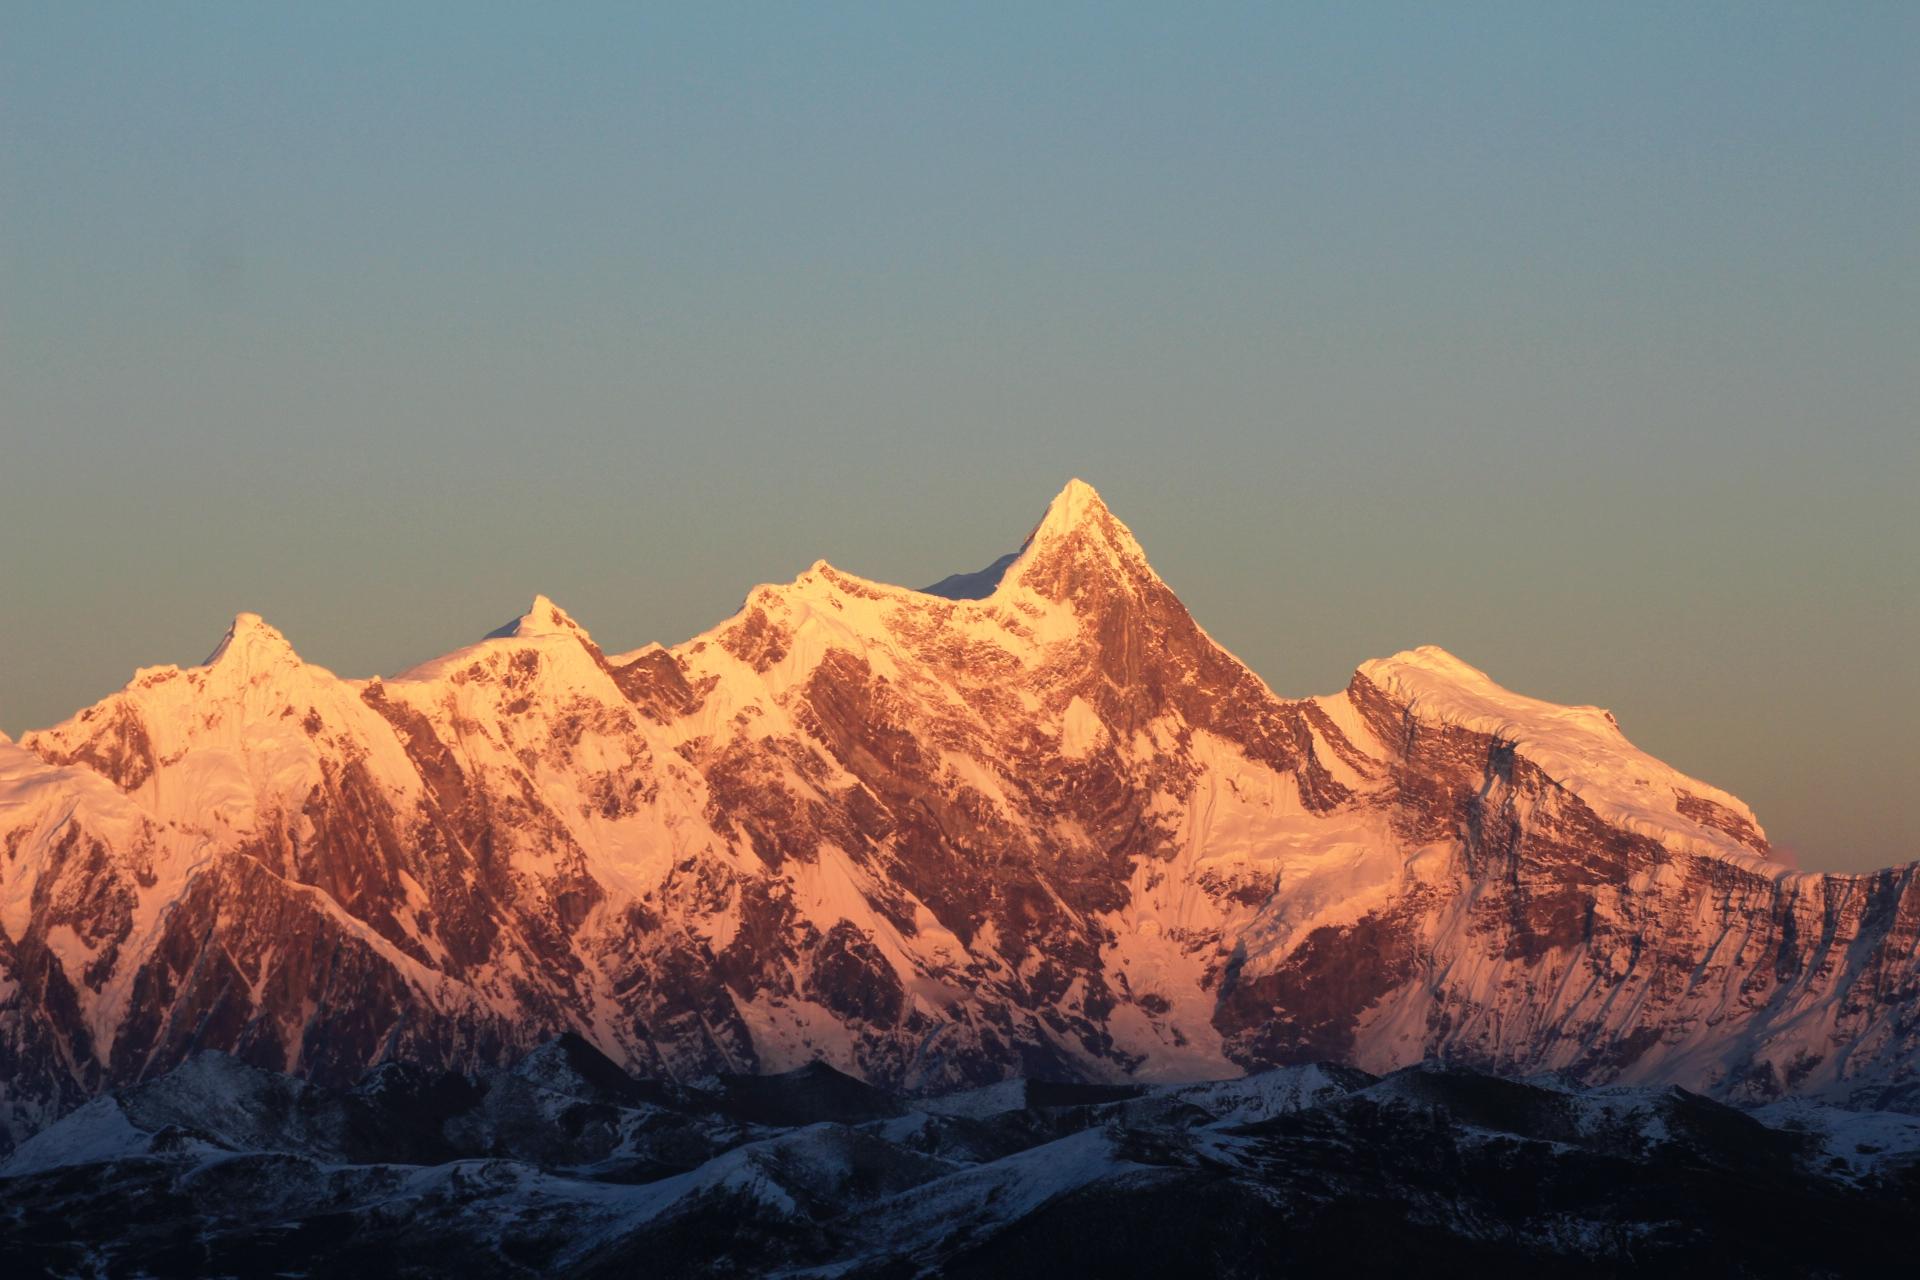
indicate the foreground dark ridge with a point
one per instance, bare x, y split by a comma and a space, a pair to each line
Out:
564, 1165
1048, 829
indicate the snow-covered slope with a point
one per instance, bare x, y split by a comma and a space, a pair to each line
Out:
1035, 822
564, 1166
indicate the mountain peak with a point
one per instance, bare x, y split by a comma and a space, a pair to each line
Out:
542, 618
1077, 504
1078, 536
1078, 512
1077, 518
252, 642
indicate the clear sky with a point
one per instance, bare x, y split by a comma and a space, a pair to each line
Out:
1583, 340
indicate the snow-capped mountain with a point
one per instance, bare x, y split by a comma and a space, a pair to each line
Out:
1033, 821
562, 1165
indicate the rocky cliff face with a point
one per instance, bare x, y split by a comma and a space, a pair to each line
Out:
1047, 828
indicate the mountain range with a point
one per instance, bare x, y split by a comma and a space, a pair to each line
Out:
562, 1164
1030, 822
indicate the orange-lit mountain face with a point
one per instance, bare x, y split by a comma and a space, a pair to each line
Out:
1046, 828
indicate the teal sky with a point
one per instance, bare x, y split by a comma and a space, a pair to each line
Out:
1578, 339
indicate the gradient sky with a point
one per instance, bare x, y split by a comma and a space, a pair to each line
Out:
1582, 340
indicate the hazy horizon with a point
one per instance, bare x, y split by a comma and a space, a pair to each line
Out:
1580, 343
